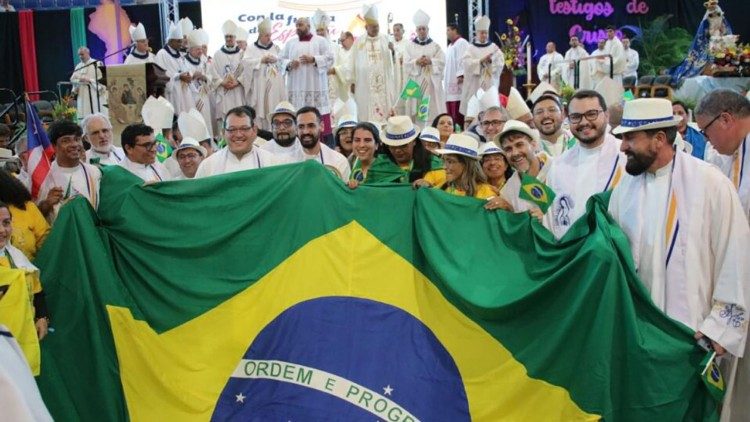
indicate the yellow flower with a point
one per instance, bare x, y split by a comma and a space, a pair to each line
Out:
515, 29
509, 21
503, 37
517, 38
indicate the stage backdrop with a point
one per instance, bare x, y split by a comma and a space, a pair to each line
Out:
346, 16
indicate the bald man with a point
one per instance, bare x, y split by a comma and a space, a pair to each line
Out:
85, 84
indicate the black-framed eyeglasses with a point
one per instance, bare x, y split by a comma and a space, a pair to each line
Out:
283, 123
148, 146
703, 131
233, 130
590, 115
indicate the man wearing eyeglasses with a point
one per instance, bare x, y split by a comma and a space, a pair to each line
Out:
67, 177
98, 131
240, 154
285, 144
492, 122
140, 154
594, 164
724, 118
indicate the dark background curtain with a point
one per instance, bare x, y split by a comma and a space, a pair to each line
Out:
11, 72
54, 61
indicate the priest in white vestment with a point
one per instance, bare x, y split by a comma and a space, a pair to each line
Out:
310, 136
341, 72
599, 68
374, 84
576, 52
689, 239
140, 154
632, 60
453, 80
170, 59
399, 75
98, 131
550, 66
594, 164
548, 119
285, 143
226, 71
483, 63
197, 93
424, 63
141, 53
86, 85
613, 46
262, 75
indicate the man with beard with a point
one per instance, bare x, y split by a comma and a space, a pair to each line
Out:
548, 119
688, 235
284, 144
593, 165
240, 132
309, 129
67, 176
98, 131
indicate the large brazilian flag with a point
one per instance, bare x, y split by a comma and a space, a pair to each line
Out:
281, 295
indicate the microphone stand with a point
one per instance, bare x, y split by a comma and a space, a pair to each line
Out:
96, 77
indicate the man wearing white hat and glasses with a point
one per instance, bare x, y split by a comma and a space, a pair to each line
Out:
189, 155
593, 165
262, 74
169, 58
141, 53
285, 143
483, 62
424, 63
463, 174
226, 70
688, 233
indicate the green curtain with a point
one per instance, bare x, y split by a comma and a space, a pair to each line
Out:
77, 32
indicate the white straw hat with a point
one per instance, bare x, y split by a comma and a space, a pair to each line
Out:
646, 113
190, 143
489, 148
399, 131
430, 134
460, 144
516, 126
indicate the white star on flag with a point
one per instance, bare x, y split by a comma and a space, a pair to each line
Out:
240, 398
387, 390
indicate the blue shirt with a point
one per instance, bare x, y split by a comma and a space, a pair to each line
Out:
697, 140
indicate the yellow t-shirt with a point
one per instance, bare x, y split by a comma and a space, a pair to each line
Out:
484, 191
435, 177
30, 228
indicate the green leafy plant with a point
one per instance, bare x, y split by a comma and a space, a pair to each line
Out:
63, 110
661, 46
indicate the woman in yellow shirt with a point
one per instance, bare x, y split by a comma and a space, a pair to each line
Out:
494, 165
30, 228
463, 176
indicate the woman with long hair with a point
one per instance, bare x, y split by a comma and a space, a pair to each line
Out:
463, 175
365, 144
30, 228
444, 124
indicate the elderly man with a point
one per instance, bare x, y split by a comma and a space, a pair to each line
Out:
576, 52
400, 43
68, 176
226, 71
424, 63
688, 234
724, 117
340, 75
86, 85
482, 63
97, 130
170, 59
240, 131
592, 165
262, 75
141, 53
284, 129
140, 154
374, 86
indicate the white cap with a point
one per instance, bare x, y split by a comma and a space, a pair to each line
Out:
320, 20
421, 18
192, 124
188, 142
157, 113
284, 107
370, 13
460, 144
201, 36
229, 28
241, 34
430, 134
345, 121
489, 148
611, 91
187, 26
540, 90
137, 32
516, 126
264, 27
175, 31
516, 107
490, 98
482, 23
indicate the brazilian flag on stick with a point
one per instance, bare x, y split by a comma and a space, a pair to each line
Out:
411, 90
357, 309
535, 191
711, 376
423, 110
163, 148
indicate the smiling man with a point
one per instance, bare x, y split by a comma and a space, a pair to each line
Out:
240, 153
98, 131
310, 130
548, 119
140, 153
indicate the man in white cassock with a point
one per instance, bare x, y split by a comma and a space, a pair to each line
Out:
262, 75
141, 52
98, 131
424, 63
399, 52
226, 71
599, 68
199, 87
483, 62
170, 59
374, 85
86, 85
306, 59
613, 46
140, 154
310, 137
594, 164
320, 21
632, 59
240, 131
453, 78
285, 143
340, 75
576, 52
550, 66
689, 238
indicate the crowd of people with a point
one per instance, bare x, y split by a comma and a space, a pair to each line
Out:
679, 188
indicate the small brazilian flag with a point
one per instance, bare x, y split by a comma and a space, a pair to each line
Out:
411, 90
423, 111
163, 149
537, 192
711, 376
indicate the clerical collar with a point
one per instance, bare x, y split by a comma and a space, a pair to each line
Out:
172, 52
478, 44
230, 50
262, 47
307, 37
138, 55
425, 42
193, 61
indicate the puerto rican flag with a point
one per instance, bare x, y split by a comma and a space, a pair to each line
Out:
40, 149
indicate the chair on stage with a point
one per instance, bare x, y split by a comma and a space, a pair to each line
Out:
661, 87
628, 83
643, 89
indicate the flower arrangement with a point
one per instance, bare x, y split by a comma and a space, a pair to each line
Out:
513, 48
62, 109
